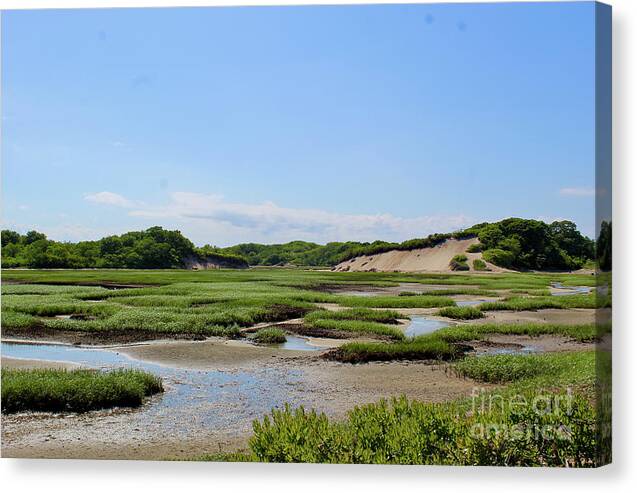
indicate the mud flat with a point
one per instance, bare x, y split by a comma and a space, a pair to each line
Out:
550, 315
28, 364
213, 393
522, 344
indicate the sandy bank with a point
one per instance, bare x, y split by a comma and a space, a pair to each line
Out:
22, 364
435, 259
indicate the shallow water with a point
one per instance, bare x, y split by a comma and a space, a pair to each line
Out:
298, 344
193, 399
421, 325
470, 302
570, 290
519, 351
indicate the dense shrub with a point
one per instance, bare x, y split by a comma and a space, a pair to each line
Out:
534, 244
459, 262
404, 432
499, 257
475, 248
479, 265
154, 248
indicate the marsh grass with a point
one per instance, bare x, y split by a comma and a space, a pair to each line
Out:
516, 303
474, 332
357, 327
461, 312
427, 347
75, 390
452, 292
270, 335
365, 314
504, 368
219, 303
420, 301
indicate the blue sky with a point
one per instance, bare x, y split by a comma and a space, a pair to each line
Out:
316, 123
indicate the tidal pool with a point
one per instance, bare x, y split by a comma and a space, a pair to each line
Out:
193, 399
470, 302
298, 344
421, 325
511, 350
570, 290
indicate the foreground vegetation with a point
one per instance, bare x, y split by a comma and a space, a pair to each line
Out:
499, 427
75, 390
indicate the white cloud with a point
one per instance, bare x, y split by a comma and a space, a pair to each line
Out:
578, 192
210, 218
110, 198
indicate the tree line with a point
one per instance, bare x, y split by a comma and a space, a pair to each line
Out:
523, 244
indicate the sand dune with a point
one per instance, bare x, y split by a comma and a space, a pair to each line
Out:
434, 259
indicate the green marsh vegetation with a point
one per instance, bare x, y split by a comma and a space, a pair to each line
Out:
354, 321
517, 303
476, 332
504, 368
75, 390
221, 302
447, 344
270, 335
425, 347
461, 312
503, 426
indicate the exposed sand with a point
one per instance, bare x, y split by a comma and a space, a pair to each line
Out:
434, 259
549, 315
23, 364
213, 354
542, 344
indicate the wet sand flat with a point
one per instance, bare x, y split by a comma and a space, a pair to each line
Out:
573, 316
24, 364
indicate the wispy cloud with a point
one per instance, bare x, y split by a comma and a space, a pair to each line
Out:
579, 192
214, 219
110, 198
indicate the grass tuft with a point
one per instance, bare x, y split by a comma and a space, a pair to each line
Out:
427, 347
75, 390
461, 312
270, 335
